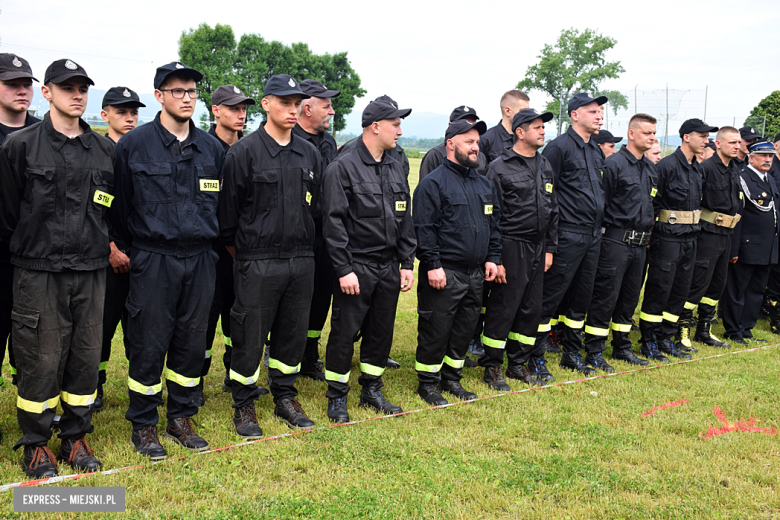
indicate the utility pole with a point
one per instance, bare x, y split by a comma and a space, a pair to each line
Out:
763, 127
705, 102
666, 131
636, 105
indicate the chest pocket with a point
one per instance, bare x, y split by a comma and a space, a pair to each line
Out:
308, 186
455, 209
41, 189
519, 188
100, 197
152, 182
367, 200
207, 190
400, 199
265, 184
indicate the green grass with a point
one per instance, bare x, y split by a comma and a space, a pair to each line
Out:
557, 452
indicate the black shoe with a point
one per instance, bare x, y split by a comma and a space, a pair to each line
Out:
337, 410
704, 335
79, 455
495, 380
146, 442
573, 361
475, 348
430, 394
739, 341
373, 398
456, 389
470, 363
538, 368
245, 423
180, 430
651, 351
628, 356
552, 342
521, 373
226, 385
97, 406
597, 361
198, 399
290, 411
39, 462
395, 365
313, 371
667, 347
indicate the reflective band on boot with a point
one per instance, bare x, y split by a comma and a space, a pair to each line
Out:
339, 378
137, 387
493, 343
372, 370
621, 327
572, 324
427, 368
652, 318
78, 400
454, 363
525, 340
251, 380
710, 302
281, 367
596, 331
36, 407
314, 334
179, 379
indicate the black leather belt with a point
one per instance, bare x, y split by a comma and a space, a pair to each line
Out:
632, 238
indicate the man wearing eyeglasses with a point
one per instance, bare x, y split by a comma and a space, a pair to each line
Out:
168, 176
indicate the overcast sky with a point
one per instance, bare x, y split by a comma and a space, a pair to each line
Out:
430, 56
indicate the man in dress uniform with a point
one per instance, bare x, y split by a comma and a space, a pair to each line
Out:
749, 136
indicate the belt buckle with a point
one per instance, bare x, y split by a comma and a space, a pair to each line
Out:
672, 218
719, 220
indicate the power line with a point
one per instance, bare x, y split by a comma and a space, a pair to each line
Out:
68, 52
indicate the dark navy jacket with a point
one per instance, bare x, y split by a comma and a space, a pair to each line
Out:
494, 142
679, 189
755, 237
167, 191
629, 187
456, 213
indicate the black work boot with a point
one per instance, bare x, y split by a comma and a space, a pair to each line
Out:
456, 389
538, 368
311, 366
684, 326
573, 361
628, 356
704, 334
552, 342
476, 349
245, 423
97, 406
337, 410
79, 455
146, 442
39, 462
521, 373
495, 380
391, 363
667, 346
430, 394
651, 351
180, 430
597, 361
199, 399
290, 411
371, 396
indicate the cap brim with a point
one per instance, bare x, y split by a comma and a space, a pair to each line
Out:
288, 93
401, 112
708, 129
747, 137
63, 77
236, 100
132, 104
547, 117
7, 76
615, 140
326, 94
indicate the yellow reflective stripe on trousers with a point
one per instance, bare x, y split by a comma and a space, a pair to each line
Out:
228, 341
525, 340
78, 400
208, 353
427, 368
710, 302
36, 407
653, 318
690, 306
372, 370
454, 363
553, 322
314, 334
281, 367
621, 327
572, 324
596, 331
671, 317
339, 378
103, 365
137, 387
251, 380
179, 379
492, 343
544, 327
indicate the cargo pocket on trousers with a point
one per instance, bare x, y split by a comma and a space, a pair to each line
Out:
237, 318
25, 336
134, 334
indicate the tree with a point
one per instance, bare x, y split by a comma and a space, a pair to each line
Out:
768, 107
212, 52
576, 63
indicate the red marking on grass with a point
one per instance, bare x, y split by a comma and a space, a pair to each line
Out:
664, 406
737, 426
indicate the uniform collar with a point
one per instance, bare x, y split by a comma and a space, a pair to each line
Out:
213, 132
366, 156
457, 168
578, 138
168, 138
509, 154
275, 148
505, 136
684, 160
58, 139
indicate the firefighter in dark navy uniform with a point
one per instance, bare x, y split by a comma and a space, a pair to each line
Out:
438, 154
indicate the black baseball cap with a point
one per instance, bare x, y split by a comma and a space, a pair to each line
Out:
283, 85
777, 137
582, 99
711, 144
117, 96
64, 69
463, 112
14, 67
527, 115
748, 133
696, 125
314, 88
174, 66
461, 126
605, 136
378, 110
230, 95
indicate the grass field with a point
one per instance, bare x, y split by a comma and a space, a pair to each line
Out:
576, 451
